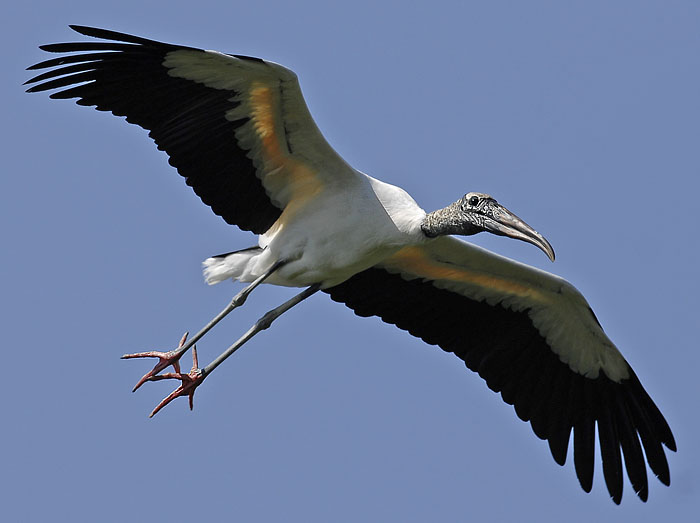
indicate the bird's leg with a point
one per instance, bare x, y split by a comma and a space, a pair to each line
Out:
196, 376
263, 323
172, 357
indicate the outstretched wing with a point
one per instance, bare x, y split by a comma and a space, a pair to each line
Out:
237, 128
534, 339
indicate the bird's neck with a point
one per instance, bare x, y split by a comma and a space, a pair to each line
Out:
449, 220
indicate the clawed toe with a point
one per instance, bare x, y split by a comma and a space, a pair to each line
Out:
166, 358
189, 381
189, 384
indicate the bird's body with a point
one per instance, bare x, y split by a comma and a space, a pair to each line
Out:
375, 218
238, 130
336, 221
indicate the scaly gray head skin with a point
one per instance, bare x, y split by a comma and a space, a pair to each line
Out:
476, 212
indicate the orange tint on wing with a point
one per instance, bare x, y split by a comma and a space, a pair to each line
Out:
264, 112
284, 175
415, 261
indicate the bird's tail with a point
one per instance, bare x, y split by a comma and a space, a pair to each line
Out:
234, 265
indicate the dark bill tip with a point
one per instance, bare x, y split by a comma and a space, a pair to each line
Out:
505, 223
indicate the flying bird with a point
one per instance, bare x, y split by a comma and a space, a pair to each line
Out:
238, 130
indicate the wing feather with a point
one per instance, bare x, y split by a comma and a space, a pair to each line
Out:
236, 128
534, 339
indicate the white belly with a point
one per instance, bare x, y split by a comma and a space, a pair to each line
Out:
329, 239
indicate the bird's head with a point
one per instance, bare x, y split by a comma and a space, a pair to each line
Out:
476, 212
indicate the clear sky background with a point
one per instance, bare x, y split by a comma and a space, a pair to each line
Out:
581, 117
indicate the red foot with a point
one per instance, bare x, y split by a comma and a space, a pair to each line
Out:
189, 384
166, 358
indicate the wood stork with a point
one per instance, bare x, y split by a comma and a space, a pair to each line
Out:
238, 130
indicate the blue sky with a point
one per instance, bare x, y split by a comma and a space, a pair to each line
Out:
581, 117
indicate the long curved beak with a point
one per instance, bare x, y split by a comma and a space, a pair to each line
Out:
504, 223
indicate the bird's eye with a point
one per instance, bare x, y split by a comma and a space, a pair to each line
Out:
473, 201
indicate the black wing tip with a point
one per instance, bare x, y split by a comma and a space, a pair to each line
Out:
73, 51
664, 478
49, 48
108, 34
643, 494
83, 29
104, 34
659, 423
87, 30
585, 482
670, 442
558, 449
